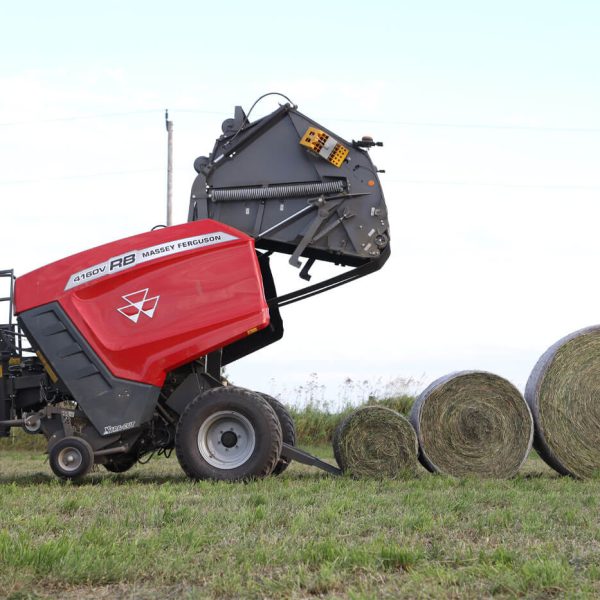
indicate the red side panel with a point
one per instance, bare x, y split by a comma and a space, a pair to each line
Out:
152, 302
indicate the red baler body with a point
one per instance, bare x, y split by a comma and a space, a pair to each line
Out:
152, 302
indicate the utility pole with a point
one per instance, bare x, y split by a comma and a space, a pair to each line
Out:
169, 125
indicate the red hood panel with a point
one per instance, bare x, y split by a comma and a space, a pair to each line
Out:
154, 301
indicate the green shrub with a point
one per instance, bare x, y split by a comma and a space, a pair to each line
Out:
316, 423
20, 440
401, 404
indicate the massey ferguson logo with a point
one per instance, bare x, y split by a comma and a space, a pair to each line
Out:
133, 258
138, 303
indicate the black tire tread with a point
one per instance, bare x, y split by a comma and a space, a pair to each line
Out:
250, 397
288, 429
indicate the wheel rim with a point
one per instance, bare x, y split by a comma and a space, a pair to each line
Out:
226, 439
33, 423
69, 459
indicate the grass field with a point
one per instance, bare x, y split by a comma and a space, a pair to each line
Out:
151, 533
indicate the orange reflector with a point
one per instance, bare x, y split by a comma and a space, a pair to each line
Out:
370, 183
251, 331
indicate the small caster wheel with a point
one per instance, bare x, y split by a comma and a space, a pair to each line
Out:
33, 423
71, 458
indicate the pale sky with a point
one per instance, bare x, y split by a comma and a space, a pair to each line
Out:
490, 117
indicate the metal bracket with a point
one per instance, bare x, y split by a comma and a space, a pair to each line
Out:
306, 268
259, 217
344, 217
324, 211
292, 453
328, 284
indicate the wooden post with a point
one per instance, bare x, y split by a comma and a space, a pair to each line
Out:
169, 125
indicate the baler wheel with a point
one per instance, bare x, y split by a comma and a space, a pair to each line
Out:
120, 463
230, 434
71, 458
33, 424
288, 429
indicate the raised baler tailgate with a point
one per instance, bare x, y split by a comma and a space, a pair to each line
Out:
149, 303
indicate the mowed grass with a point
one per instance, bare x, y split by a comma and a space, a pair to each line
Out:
151, 533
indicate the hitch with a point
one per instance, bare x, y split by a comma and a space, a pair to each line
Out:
292, 453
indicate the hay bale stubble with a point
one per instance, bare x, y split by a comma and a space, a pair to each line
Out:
375, 441
563, 392
472, 423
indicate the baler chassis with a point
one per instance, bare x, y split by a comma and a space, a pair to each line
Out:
128, 340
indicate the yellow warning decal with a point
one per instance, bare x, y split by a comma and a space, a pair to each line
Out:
324, 145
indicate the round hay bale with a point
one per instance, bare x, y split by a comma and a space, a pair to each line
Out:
563, 392
375, 441
472, 423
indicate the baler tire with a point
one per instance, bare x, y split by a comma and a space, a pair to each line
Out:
71, 457
202, 449
288, 429
120, 463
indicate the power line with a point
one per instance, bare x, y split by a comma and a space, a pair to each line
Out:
84, 176
77, 118
425, 124
101, 116
475, 126
496, 184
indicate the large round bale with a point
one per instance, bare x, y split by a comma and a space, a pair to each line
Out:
563, 392
472, 423
375, 441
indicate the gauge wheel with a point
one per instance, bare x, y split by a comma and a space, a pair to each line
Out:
71, 458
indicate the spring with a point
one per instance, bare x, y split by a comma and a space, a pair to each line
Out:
290, 190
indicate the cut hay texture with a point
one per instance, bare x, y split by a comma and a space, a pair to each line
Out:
375, 441
472, 423
563, 392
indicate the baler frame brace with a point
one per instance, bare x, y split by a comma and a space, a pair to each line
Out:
293, 453
331, 283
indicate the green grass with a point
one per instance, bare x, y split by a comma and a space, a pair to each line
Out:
151, 533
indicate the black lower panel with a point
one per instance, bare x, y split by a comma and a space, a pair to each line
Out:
110, 403
266, 336
4, 405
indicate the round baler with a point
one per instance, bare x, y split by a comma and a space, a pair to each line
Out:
117, 352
